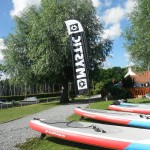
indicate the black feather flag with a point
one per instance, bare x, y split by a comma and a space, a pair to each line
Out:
79, 56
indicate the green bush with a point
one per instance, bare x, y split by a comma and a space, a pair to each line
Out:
96, 91
99, 86
21, 97
119, 93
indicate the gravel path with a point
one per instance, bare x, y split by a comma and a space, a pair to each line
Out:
18, 131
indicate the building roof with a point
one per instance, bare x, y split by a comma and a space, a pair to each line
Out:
129, 73
143, 77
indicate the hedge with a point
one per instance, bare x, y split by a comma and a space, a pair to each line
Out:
21, 97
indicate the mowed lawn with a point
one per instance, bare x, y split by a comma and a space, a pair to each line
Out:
52, 143
9, 114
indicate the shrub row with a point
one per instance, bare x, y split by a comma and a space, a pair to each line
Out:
21, 97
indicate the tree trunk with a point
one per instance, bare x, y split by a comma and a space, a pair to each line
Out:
67, 75
64, 93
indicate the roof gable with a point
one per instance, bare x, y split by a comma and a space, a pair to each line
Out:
143, 77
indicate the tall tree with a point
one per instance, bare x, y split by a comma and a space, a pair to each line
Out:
39, 49
137, 35
0, 70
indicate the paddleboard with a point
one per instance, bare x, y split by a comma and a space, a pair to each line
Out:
101, 135
136, 105
123, 118
129, 107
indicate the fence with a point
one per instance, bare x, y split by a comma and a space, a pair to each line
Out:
11, 90
136, 92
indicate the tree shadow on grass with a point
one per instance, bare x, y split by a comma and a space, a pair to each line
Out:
73, 145
52, 143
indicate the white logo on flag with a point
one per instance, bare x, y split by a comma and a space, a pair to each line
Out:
82, 84
74, 27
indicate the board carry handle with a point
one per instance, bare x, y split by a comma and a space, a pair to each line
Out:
145, 116
97, 129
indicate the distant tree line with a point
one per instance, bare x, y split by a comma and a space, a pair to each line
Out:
101, 81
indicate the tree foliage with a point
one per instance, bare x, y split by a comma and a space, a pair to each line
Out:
104, 80
128, 82
137, 35
39, 49
114, 74
2, 70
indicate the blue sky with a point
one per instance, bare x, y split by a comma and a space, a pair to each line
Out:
112, 13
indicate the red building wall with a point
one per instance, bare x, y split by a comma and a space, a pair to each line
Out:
139, 91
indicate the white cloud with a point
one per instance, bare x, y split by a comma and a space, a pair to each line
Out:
113, 15
96, 3
127, 56
113, 32
128, 59
2, 46
129, 5
107, 65
3, 76
20, 5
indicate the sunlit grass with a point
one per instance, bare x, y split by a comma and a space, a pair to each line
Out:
13, 113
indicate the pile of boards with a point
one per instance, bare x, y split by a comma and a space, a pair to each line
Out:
124, 126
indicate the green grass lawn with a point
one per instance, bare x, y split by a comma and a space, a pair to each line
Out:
51, 143
13, 113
